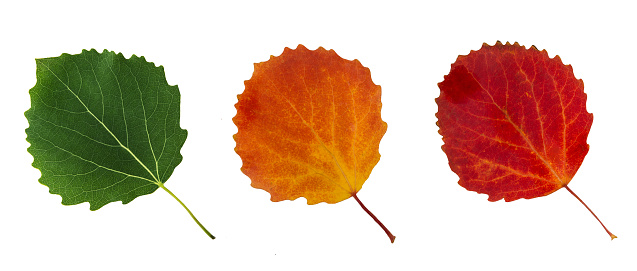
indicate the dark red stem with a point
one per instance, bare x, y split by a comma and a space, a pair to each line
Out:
612, 236
391, 236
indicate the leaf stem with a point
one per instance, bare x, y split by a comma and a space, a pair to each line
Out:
160, 184
391, 236
612, 236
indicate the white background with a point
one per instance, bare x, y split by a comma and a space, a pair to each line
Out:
208, 49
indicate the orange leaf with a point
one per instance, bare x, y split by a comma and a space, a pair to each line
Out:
309, 125
514, 122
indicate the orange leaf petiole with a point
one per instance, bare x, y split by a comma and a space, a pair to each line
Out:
391, 236
612, 236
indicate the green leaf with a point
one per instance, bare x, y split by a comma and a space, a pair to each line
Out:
104, 128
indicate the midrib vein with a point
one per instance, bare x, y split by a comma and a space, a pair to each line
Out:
338, 165
323, 144
522, 134
156, 180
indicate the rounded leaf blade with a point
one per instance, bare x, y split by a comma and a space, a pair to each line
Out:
103, 128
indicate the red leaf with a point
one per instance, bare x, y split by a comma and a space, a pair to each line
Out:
514, 122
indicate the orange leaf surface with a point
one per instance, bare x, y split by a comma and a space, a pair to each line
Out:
514, 122
309, 125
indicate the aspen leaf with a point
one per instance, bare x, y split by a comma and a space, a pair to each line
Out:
514, 122
309, 125
104, 128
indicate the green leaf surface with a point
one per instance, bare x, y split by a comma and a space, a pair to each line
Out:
104, 128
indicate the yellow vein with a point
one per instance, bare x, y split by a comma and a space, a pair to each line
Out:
121, 98
505, 167
537, 104
564, 125
354, 140
81, 134
313, 168
141, 98
96, 164
338, 165
100, 87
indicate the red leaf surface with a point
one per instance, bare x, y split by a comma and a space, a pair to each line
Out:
514, 122
309, 125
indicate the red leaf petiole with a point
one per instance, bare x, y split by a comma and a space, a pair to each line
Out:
391, 236
612, 236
